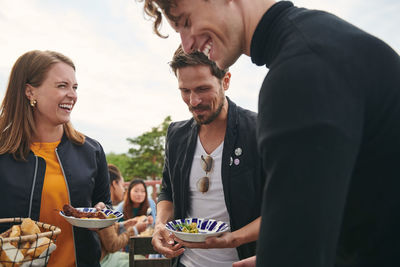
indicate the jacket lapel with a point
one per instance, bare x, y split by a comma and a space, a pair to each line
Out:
186, 168
229, 143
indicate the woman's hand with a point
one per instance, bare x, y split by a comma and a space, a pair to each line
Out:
150, 219
141, 226
100, 206
130, 223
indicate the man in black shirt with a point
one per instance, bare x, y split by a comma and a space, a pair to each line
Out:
212, 169
328, 126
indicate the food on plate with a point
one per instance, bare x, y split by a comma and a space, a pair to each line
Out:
189, 228
111, 216
206, 228
10, 255
71, 211
29, 227
85, 217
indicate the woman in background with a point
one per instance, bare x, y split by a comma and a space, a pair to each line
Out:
136, 203
44, 162
116, 236
117, 188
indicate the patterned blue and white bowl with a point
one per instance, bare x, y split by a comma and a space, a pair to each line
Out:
206, 227
93, 223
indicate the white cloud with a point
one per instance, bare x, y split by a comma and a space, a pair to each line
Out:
125, 85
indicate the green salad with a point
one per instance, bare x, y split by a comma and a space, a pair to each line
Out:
188, 228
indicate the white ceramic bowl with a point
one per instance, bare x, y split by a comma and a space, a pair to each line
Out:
93, 223
207, 228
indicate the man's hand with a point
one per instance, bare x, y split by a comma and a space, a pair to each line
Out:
226, 240
163, 242
249, 262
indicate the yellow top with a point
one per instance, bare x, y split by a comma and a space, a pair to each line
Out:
54, 196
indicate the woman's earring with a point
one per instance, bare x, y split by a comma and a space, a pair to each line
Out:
33, 102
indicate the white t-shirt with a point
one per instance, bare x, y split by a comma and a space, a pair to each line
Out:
209, 205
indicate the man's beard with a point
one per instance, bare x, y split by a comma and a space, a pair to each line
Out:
200, 119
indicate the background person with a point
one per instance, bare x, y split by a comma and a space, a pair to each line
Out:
117, 188
137, 203
223, 135
116, 236
328, 126
44, 162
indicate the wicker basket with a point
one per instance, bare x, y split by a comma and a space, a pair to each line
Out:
40, 245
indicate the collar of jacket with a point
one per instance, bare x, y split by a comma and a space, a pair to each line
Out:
39, 173
64, 140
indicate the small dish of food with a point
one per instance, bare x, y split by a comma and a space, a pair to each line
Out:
196, 229
90, 217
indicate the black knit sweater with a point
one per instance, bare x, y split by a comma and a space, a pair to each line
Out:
329, 135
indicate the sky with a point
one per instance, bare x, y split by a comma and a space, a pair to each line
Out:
125, 84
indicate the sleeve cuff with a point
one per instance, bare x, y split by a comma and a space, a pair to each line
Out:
135, 230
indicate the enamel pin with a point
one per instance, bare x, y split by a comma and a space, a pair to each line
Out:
238, 151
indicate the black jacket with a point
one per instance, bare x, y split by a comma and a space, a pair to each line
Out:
329, 136
242, 183
85, 170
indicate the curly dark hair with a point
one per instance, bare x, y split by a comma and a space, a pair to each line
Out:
154, 10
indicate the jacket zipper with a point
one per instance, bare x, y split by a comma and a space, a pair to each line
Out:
33, 186
69, 199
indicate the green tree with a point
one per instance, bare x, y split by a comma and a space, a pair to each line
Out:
122, 162
147, 153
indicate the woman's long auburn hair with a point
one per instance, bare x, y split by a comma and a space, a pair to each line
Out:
128, 204
17, 125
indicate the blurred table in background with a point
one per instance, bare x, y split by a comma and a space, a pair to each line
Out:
139, 245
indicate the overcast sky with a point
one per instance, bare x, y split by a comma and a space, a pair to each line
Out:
125, 84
